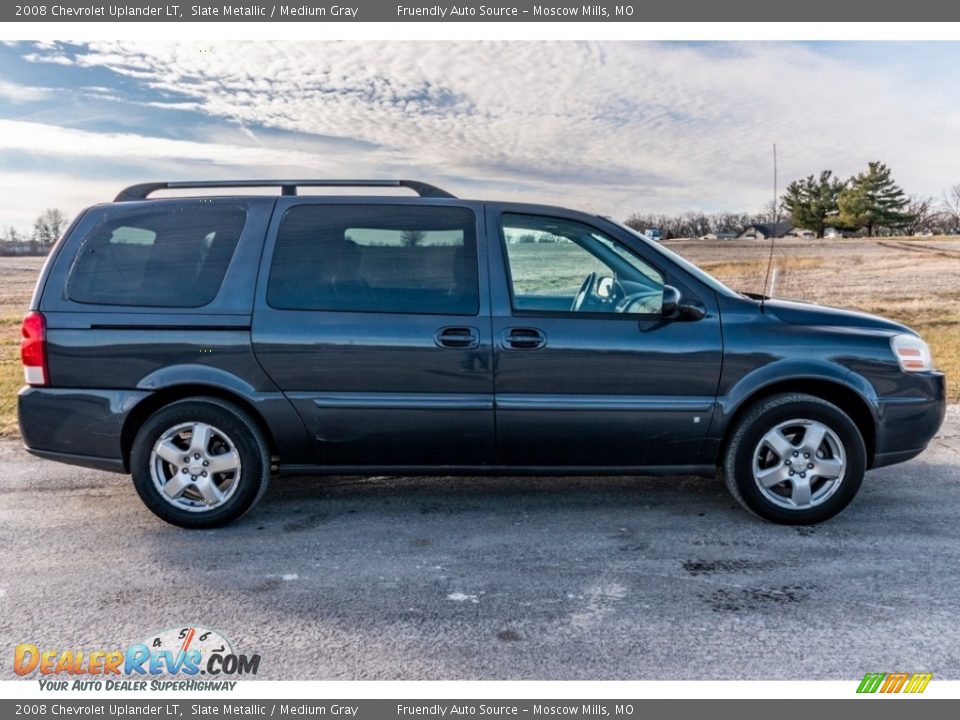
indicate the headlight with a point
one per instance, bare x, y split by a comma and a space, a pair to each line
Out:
912, 353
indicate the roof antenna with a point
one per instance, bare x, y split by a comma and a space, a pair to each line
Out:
773, 232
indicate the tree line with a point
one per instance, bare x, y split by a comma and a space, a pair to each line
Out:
47, 229
870, 203
698, 224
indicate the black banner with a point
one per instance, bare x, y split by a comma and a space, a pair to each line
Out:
472, 11
876, 709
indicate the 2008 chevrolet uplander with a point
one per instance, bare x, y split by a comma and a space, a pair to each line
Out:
203, 343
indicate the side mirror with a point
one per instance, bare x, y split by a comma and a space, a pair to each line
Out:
676, 307
671, 301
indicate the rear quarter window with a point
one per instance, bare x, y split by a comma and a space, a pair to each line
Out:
168, 256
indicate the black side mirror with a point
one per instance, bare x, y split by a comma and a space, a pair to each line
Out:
676, 307
671, 301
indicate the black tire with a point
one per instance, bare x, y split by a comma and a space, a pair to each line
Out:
764, 417
236, 428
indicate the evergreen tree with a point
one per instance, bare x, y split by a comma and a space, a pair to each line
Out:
872, 199
812, 202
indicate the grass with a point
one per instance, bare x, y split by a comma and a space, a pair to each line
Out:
11, 373
745, 268
944, 341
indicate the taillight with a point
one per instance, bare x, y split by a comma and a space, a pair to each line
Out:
33, 349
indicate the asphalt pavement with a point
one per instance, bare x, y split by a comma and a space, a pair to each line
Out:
497, 578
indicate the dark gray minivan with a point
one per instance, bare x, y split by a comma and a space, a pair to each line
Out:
202, 344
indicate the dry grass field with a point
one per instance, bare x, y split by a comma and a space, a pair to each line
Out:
17, 278
916, 281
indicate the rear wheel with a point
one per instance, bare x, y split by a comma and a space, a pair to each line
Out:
795, 459
200, 463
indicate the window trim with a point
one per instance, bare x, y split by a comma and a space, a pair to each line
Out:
508, 274
274, 243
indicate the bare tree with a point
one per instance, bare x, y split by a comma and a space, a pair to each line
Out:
921, 215
412, 238
951, 206
48, 226
12, 235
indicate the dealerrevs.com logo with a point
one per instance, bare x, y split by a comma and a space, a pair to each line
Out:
173, 659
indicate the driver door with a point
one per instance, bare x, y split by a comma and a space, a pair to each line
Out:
588, 372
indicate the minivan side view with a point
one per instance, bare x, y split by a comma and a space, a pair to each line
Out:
202, 344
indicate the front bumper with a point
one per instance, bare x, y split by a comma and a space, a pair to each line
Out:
906, 424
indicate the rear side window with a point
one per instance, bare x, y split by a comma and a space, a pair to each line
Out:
376, 258
170, 256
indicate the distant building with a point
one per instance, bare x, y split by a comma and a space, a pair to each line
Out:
764, 231
26, 247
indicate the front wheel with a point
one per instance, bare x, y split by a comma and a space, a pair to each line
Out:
200, 463
795, 459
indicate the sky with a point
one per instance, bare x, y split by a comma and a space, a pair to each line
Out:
607, 127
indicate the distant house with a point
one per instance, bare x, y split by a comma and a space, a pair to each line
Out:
764, 231
26, 247
720, 236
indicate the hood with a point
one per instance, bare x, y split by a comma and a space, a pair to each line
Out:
803, 313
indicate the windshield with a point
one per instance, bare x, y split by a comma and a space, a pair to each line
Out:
699, 274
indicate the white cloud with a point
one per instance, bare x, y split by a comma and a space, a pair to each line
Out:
62, 142
23, 195
81, 154
16, 94
54, 58
610, 127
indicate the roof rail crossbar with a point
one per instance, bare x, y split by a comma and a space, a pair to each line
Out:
288, 187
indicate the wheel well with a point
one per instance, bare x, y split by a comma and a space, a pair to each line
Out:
840, 395
160, 398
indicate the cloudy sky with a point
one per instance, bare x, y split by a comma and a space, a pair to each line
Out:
608, 127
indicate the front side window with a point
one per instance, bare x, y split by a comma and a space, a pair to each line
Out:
559, 265
167, 256
376, 258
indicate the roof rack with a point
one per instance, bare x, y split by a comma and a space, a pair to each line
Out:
288, 187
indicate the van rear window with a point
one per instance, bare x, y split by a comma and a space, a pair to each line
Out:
170, 256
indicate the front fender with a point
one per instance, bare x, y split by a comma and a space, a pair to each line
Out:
787, 370
801, 375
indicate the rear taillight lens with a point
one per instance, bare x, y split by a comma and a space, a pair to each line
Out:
33, 349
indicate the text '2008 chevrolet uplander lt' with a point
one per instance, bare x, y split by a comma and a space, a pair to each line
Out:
203, 343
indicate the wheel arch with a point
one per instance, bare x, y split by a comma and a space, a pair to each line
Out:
845, 397
164, 396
